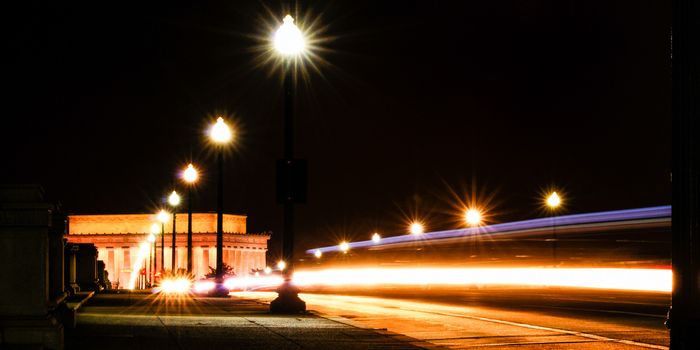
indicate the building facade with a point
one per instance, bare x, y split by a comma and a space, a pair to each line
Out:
119, 239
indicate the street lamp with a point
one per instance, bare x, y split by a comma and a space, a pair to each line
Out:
162, 217
220, 135
553, 201
376, 237
318, 253
416, 228
473, 217
190, 176
174, 201
289, 43
344, 247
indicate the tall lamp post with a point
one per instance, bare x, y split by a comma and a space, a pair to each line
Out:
174, 201
289, 42
190, 176
162, 217
221, 135
553, 201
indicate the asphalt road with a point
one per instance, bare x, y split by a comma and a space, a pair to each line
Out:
496, 318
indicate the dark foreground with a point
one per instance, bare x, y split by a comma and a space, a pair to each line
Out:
146, 321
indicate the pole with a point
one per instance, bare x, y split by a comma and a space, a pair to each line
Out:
155, 262
162, 246
288, 301
684, 317
220, 219
288, 231
189, 229
172, 258
554, 241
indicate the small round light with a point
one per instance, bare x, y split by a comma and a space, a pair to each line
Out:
190, 174
174, 199
155, 229
288, 39
472, 217
163, 216
344, 247
553, 200
268, 270
151, 238
318, 253
376, 238
220, 132
281, 265
416, 228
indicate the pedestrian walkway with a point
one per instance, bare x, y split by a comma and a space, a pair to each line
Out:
134, 321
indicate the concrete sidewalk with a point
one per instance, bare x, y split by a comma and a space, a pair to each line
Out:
148, 321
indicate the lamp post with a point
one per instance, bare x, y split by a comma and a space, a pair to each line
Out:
162, 218
174, 201
289, 43
221, 135
190, 176
553, 201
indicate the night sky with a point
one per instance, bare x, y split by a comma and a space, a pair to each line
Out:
414, 105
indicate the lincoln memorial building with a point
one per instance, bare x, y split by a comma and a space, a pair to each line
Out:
118, 238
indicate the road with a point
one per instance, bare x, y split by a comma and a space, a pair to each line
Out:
499, 318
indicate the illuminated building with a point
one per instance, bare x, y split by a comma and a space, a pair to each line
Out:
117, 238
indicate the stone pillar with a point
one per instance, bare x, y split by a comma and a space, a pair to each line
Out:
70, 269
86, 267
27, 307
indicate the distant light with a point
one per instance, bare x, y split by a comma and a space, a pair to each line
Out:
376, 238
190, 174
155, 229
281, 265
203, 286
178, 285
318, 253
257, 274
163, 216
268, 270
416, 228
344, 247
288, 39
220, 132
151, 238
174, 199
553, 200
473, 217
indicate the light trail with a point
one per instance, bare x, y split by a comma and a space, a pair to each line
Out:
565, 220
652, 280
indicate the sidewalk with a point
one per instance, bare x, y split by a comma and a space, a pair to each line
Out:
146, 321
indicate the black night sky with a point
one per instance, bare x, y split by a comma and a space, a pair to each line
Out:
105, 101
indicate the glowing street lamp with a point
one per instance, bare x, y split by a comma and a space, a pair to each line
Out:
344, 247
289, 43
473, 217
267, 270
162, 217
221, 135
289, 40
318, 253
174, 201
376, 237
553, 201
190, 176
416, 228
281, 265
